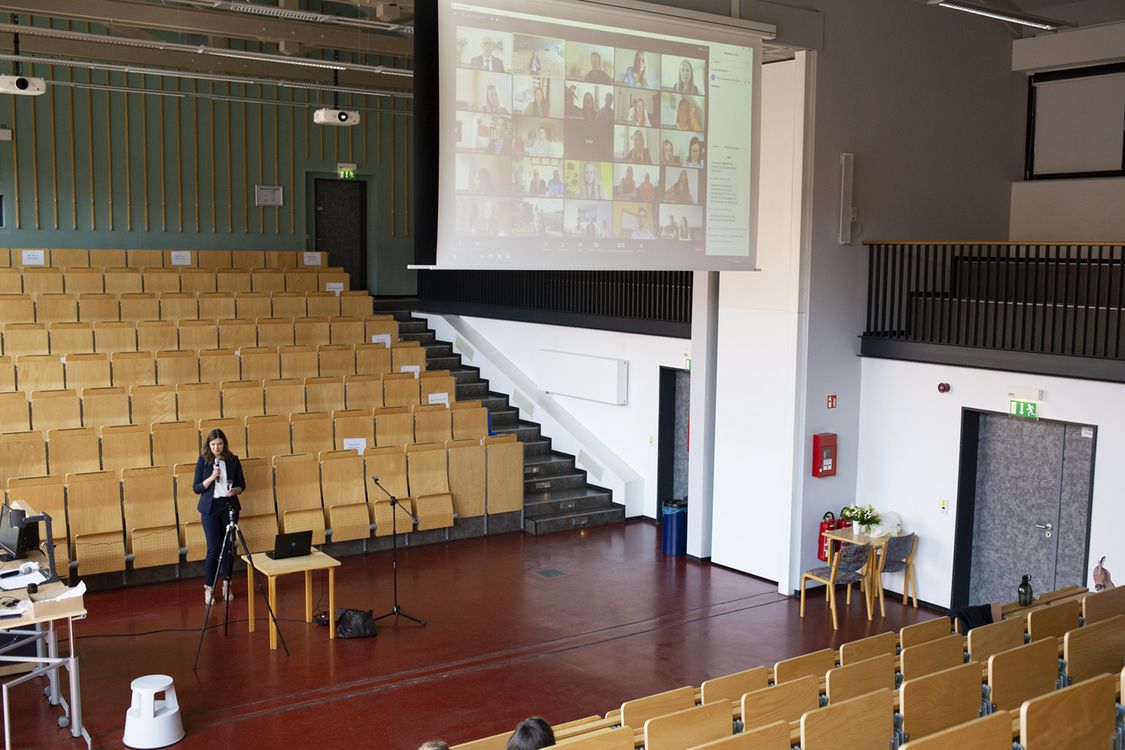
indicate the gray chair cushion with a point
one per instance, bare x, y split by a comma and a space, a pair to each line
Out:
898, 547
842, 576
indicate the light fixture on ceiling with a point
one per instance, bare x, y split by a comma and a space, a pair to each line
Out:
1043, 24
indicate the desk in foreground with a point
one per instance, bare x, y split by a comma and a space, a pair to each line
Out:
273, 569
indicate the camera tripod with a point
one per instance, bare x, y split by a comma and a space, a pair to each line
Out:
232, 537
395, 506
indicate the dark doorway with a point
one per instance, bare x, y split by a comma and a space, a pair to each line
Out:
672, 448
341, 225
1023, 506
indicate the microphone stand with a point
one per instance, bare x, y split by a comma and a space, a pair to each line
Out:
395, 505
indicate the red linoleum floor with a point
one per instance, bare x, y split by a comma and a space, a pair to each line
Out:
500, 643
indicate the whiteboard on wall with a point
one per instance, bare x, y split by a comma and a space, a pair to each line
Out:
1079, 125
602, 379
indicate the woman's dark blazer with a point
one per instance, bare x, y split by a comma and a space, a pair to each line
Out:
207, 494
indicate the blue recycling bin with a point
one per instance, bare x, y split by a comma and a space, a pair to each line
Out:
674, 525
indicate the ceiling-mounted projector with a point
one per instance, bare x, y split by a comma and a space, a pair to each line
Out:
329, 116
25, 85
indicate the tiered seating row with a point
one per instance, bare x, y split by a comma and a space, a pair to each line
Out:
149, 513
134, 307
215, 259
80, 280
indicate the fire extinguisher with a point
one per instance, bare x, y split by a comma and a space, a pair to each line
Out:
843, 523
827, 523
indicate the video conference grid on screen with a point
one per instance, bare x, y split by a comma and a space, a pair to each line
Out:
580, 140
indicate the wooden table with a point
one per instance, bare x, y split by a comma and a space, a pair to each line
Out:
273, 569
852, 535
38, 626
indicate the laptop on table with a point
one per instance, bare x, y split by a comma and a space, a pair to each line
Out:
295, 544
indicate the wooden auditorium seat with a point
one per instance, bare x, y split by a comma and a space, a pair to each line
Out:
42, 280
216, 305
267, 436
787, 702
159, 280
153, 403
174, 442
407, 354
40, 372
1078, 716
681, 729
71, 338
504, 472
126, 446
219, 365
469, 422
253, 306
198, 334
73, 450
131, 369
864, 723
242, 397
178, 306
83, 280
198, 401
17, 308
284, 396
394, 427
113, 337
336, 360
238, 334
1094, 648
372, 359
1103, 605
432, 424
275, 332
346, 329
311, 332
288, 305
197, 281
636, 712
400, 389
148, 500
297, 486
773, 736
123, 280
932, 656
732, 687
187, 503
157, 335
940, 700
139, 306
352, 425
860, 677
866, 648
363, 392
258, 519
46, 494
24, 339
992, 732
96, 531
467, 477
7, 374
261, 363
1024, 672
267, 280
87, 371
986, 640
55, 409
177, 366
1054, 620
815, 663
22, 454
15, 412
325, 304
102, 407
928, 630
57, 307
95, 307
311, 432
343, 486
428, 479
324, 393
389, 465
437, 386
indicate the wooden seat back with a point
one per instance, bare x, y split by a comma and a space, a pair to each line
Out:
940, 700
103, 308
260, 363
198, 334
133, 368
863, 723
401, 389
288, 305
156, 335
428, 479
55, 409
1104, 605
17, 308
787, 702
174, 442
932, 656
285, 396
324, 393
275, 332
1095, 648
1053, 621
22, 339
406, 354
46, 494
773, 736
71, 338
232, 280
1081, 715
94, 507
238, 334
180, 306
866, 648
466, 478
504, 472
336, 360
363, 392
300, 279
311, 432
258, 519
15, 412
437, 387
7, 374
614, 738
216, 305
814, 663
219, 365
42, 280
326, 304
372, 359
732, 687
87, 371
178, 366
356, 303
197, 280
40, 372
636, 712
153, 403
123, 280
148, 499
267, 280
389, 464
860, 677
354, 425
126, 446
311, 331
343, 486
681, 729
299, 362
1024, 672
198, 401
243, 398
376, 325
394, 427
22, 454
73, 450
158, 280
56, 308
433, 424
992, 732
986, 640
297, 487
922, 632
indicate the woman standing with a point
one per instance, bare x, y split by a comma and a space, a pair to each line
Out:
218, 482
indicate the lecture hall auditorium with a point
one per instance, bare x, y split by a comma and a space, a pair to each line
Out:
183, 248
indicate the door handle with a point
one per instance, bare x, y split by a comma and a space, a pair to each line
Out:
1046, 526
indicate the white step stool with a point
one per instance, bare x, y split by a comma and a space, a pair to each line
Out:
150, 722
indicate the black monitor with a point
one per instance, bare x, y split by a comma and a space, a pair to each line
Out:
16, 537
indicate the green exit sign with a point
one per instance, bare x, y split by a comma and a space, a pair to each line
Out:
346, 174
346, 170
1025, 409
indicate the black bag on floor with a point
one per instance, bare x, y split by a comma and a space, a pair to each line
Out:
355, 623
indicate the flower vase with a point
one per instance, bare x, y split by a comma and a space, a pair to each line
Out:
865, 528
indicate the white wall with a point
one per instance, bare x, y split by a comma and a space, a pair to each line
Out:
909, 451
1068, 210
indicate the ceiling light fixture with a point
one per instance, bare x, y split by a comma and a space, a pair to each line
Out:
195, 49
1034, 22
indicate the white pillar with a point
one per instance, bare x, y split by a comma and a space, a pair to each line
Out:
701, 436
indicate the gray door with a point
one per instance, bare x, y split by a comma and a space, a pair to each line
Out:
341, 225
1031, 513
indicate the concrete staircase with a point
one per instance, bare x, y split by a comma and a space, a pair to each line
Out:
557, 496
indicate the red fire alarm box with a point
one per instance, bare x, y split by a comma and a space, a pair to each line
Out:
824, 454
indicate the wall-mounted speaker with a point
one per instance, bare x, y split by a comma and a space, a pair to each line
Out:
847, 210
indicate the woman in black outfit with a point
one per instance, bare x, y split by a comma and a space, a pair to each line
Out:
218, 482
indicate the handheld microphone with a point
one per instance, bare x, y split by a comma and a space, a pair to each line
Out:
374, 479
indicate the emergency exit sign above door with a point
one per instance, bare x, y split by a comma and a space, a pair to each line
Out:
1025, 409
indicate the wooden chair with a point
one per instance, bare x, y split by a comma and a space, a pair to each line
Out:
11, 280
153, 403
357, 304
324, 304
99, 308
126, 446
336, 360
613, 738
131, 369
7, 375
933, 656
288, 305
504, 472
311, 432
253, 306
46, 494
428, 479
213, 259
198, 334
993, 732
258, 519
1021, 673
216, 305
94, 512
467, 479
353, 425
846, 568
73, 450
238, 334
267, 436
300, 280
267, 280
71, 338
297, 486
137, 307
197, 280
40, 372
261, 363
680, 729
22, 454
1078, 716
42, 280
408, 354
219, 365
17, 308
372, 359
394, 427
433, 424
922, 632
234, 280
786, 702
325, 277
25, 339
190, 526
400, 390
242, 398
344, 488
437, 387
324, 393
66, 257
106, 406
174, 441
858, 678
389, 464
87, 371
1054, 620
363, 392
1094, 649
815, 663
867, 648
1104, 605
380, 325
284, 396
160, 280
636, 712
15, 412
178, 306
199, 401
122, 280
114, 336
940, 700
311, 332
347, 330
986, 640
769, 737
56, 308
148, 499
177, 366
83, 280
51, 410
864, 723
275, 332
732, 687
144, 258
107, 258
300, 362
